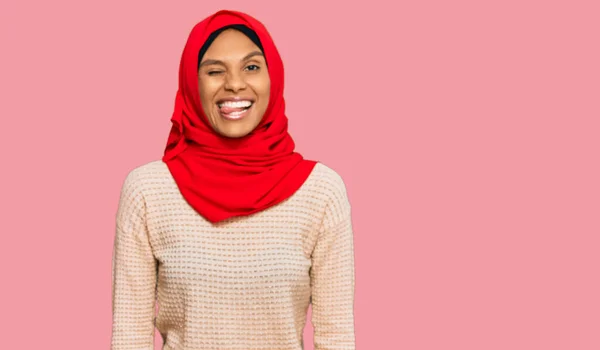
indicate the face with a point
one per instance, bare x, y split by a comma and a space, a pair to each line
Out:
234, 84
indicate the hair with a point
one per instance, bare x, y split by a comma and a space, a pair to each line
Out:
239, 27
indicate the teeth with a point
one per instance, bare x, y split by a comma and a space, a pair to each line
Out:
236, 104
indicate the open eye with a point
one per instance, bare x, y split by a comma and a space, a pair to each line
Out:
252, 67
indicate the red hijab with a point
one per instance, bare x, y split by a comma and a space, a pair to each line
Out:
226, 177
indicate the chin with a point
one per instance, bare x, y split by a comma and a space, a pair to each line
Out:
235, 132
234, 135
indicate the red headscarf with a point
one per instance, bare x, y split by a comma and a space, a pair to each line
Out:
225, 177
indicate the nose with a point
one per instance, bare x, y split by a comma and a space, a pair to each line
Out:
234, 82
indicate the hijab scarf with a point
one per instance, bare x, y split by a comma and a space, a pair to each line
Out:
224, 177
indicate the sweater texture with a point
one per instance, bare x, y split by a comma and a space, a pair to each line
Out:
243, 283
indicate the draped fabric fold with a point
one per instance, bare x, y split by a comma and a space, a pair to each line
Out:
224, 177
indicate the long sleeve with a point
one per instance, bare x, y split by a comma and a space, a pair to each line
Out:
332, 278
133, 273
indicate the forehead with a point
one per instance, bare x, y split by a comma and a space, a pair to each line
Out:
231, 42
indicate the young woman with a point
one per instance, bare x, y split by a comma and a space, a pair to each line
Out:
232, 233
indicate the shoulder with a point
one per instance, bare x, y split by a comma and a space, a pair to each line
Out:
139, 176
328, 175
333, 187
328, 179
147, 171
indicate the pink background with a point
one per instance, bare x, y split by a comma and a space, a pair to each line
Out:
467, 133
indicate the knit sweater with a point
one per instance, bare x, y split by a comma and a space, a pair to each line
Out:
243, 283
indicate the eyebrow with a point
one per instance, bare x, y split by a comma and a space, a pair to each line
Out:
247, 57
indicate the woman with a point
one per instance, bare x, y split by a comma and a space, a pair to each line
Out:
232, 232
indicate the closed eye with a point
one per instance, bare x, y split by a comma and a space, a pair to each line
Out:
215, 72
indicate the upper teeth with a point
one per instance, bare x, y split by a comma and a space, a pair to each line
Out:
235, 104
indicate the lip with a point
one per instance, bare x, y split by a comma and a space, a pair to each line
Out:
241, 116
234, 99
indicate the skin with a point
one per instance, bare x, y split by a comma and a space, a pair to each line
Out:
230, 69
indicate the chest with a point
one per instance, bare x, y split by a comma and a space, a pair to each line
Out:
260, 253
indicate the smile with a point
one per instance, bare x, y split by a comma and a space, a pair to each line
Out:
234, 110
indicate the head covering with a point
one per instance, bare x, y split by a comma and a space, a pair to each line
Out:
224, 177
239, 27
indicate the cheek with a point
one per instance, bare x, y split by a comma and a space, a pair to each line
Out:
207, 90
265, 90
260, 83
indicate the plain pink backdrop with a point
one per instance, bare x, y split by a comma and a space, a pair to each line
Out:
467, 133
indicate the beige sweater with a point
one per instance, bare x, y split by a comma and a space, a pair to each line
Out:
244, 283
